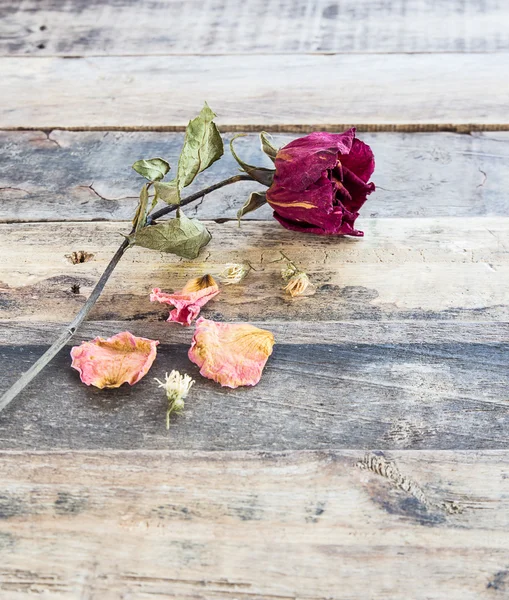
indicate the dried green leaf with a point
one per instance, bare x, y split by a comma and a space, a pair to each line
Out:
181, 236
255, 200
168, 191
153, 169
202, 147
140, 215
155, 200
267, 146
260, 174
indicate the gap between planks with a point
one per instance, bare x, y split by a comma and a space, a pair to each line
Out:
462, 128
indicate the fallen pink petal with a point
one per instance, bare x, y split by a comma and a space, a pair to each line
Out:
189, 300
123, 358
230, 354
321, 182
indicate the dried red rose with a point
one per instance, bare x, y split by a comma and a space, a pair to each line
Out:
321, 182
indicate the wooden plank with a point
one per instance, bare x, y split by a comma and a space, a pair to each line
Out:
39, 333
420, 525
402, 269
81, 27
266, 90
442, 395
72, 176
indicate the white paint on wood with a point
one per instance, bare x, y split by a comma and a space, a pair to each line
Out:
255, 90
81, 27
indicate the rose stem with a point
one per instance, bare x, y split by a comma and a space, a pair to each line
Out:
70, 330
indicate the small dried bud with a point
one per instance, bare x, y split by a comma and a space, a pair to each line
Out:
234, 273
299, 285
288, 271
177, 387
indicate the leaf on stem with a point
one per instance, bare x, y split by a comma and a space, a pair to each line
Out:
260, 174
140, 215
153, 169
168, 191
202, 147
181, 236
267, 145
255, 201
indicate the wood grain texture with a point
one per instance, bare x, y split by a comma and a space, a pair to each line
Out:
402, 269
72, 176
442, 395
319, 90
84, 27
315, 525
38, 333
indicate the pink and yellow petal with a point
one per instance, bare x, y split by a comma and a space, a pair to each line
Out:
187, 301
230, 354
109, 363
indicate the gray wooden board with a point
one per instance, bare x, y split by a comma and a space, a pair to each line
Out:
74, 176
350, 395
409, 90
243, 525
85, 27
37, 333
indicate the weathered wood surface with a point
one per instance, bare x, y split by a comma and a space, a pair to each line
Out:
81, 27
39, 333
272, 90
421, 385
402, 269
315, 525
403, 348
72, 176
333, 394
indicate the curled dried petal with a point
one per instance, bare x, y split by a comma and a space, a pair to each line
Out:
109, 363
189, 300
231, 354
299, 285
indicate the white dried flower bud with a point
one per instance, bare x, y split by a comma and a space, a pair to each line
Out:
177, 387
299, 285
234, 273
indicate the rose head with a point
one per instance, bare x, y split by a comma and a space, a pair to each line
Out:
321, 182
